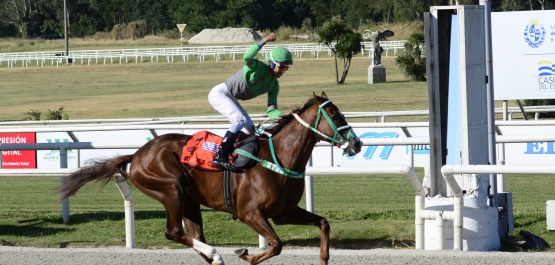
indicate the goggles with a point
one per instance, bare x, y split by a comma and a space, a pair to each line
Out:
281, 66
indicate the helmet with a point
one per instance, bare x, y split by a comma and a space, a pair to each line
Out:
280, 54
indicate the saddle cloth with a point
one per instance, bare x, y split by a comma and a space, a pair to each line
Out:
200, 150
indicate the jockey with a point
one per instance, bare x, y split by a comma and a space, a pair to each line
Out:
254, 79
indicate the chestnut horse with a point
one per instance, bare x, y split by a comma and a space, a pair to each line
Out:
257, 194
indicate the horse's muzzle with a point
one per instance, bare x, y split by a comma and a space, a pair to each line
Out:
354, 147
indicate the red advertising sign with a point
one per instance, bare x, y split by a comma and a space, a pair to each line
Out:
18, 158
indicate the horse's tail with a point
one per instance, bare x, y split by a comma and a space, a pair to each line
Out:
101, 171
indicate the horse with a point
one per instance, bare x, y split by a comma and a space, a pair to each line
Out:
256, 194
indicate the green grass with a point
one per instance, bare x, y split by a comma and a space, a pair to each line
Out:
363, 212
180, 89
97, 218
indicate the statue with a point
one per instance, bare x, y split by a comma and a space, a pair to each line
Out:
376, 38
376, 71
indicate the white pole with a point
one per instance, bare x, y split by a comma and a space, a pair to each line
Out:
419, 222
458, 223
262, 242
129, 204
63, 180
440, 233
309, 190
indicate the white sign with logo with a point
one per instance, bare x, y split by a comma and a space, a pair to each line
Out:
523, 54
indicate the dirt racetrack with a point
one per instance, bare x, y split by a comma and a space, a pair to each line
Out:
121, 256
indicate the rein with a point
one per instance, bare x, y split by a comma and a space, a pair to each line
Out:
290, 173
272, 166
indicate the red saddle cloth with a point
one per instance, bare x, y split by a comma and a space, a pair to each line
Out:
200, 150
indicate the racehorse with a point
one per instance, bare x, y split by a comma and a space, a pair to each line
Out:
257, 193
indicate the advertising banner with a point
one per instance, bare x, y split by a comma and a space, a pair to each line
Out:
389, 155
18, 158
523, 54
516, 154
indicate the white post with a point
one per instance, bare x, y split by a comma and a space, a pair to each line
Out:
419, 222
129, 212
63, 180
309, 190
440, 233
458, 223
262, 242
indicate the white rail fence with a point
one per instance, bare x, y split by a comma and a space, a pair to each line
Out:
172, 54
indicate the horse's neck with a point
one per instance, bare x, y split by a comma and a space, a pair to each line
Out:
294, 144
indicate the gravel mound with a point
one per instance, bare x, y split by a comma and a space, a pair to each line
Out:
225, 36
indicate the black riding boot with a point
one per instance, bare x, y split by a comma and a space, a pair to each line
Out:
225, 149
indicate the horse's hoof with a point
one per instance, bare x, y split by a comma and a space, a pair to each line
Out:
217, 260
241, 252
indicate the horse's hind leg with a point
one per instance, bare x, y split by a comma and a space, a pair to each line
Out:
192, 220
303, 217
174, 230
173, 200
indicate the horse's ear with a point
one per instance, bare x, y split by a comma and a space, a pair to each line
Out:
314, 95
324, 95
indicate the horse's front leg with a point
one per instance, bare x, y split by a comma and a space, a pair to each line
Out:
303, 217
260, 224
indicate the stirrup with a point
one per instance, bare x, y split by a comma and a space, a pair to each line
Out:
226, 166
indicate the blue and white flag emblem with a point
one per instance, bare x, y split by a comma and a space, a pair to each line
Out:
209, 146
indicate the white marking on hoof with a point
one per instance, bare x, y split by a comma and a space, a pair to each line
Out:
217, 259
209, 251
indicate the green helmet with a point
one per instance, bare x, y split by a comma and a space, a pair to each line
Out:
280, 54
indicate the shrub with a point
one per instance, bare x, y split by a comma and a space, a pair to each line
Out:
134, 30
411, 61
35, 115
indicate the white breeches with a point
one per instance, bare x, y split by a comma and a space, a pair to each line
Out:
226, 104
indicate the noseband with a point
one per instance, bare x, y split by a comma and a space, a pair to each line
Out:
337, 138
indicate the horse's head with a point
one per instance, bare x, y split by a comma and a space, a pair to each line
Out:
331, 126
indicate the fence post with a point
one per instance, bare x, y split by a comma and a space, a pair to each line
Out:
63, 180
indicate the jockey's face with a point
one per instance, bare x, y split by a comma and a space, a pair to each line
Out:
279, 69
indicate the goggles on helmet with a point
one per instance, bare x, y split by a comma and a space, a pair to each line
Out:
282, 66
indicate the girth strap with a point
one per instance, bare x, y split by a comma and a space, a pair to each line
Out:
227, 194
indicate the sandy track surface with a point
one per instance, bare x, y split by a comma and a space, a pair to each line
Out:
88, 256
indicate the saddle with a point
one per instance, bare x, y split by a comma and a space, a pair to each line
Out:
201, 149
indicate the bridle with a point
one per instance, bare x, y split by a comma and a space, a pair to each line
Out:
337, 138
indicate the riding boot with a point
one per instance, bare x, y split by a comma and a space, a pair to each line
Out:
224, 151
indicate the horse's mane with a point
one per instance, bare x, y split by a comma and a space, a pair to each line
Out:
276, 127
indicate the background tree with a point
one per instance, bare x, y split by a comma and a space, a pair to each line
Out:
153, 12
33, 18
197, 14
343, 42
17, 13
411, 61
